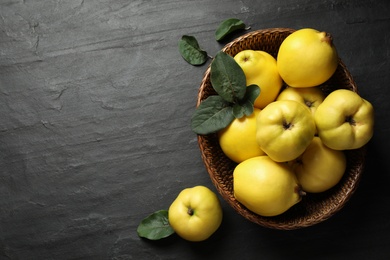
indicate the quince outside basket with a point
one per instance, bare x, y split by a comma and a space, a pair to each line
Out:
314, 208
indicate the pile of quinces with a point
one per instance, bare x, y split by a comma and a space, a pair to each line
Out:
294, 141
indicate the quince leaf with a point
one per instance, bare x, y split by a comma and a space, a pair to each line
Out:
227, 77
190, 50
238, 110
245, 106
212, 115
155, 226
228, 26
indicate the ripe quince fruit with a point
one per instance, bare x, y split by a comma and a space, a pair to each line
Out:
265, 187
307, 58
345, 120
238, 139
260, 69
285, 129
311, 97
195, 214
319, 168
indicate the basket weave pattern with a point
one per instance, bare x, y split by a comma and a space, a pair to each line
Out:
314, 208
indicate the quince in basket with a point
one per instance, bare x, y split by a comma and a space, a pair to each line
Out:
319, 168
260, 69
285, 129
311, 97
266, 187
345, 120
238, 139
307, 58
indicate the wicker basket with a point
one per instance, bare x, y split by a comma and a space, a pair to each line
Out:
314, 208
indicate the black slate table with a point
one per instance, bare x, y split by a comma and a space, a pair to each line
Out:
95, 107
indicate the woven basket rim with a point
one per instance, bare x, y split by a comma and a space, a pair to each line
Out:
208, 145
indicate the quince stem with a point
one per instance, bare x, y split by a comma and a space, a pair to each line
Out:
190, 211
328, 38
301, 193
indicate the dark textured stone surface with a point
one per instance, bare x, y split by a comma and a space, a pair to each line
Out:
95, 106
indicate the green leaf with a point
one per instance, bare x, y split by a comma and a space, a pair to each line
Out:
227, 77
245, 106
238, 110
247, 103
190, 50
155, 226
212, 115
228, 26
